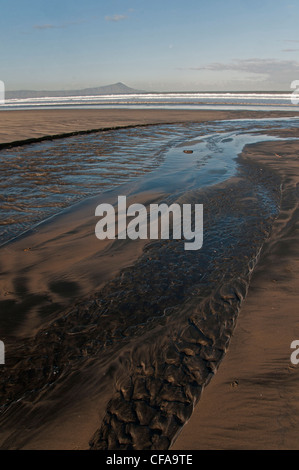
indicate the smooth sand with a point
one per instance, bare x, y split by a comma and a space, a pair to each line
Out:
49, 267
35, 124
253, 401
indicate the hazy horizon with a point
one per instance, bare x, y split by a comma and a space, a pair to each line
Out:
149, 91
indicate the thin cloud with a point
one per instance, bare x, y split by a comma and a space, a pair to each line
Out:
260, 66
278, 69
289, 50
268, 71
57, 26
291, 40
116, 18
46, 26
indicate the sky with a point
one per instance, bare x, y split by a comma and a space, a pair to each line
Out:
164, 45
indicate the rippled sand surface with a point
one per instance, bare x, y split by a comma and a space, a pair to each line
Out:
127, 363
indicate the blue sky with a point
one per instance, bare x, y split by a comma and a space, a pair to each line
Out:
159, 45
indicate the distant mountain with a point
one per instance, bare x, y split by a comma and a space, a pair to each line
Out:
114, 89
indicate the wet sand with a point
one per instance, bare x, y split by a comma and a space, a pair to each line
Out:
59, 422
252, 403
19, 126
129, 393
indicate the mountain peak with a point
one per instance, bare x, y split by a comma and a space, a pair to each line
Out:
114, 89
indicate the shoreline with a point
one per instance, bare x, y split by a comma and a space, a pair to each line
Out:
57, 241
24, 127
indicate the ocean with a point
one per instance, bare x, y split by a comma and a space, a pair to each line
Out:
283, 101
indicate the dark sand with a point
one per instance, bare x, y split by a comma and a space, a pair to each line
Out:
251, 403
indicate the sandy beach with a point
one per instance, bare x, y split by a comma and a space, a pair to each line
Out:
57, 281
19, 126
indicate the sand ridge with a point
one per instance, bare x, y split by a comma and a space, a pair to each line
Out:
252, 403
